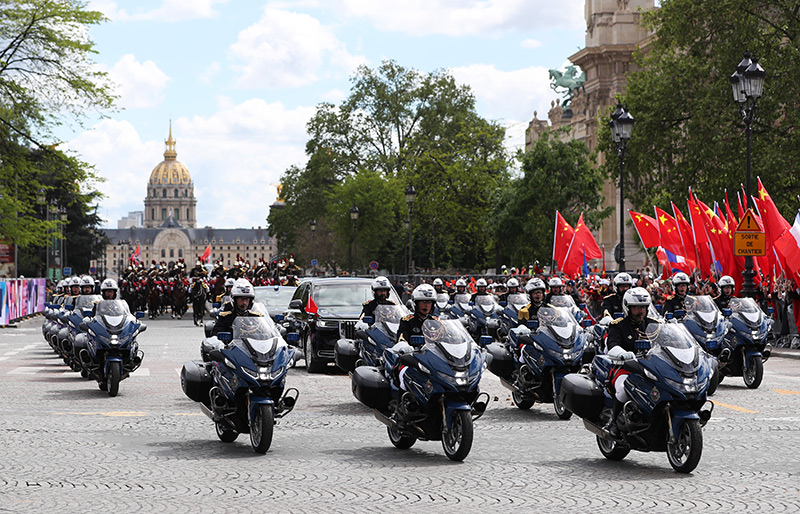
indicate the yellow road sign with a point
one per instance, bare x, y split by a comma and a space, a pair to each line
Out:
753, 244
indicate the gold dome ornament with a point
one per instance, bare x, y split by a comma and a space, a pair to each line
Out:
170, 171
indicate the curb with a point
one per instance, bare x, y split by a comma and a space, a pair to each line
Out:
786, 353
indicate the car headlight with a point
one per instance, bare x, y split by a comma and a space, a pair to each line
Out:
322, 323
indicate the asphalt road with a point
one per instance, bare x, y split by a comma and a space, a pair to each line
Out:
69, 447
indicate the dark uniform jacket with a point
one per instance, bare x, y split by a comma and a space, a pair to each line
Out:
411, 325
673, 304
368, 308
530, 311
611, 305
225, 320
722, 301
621, 332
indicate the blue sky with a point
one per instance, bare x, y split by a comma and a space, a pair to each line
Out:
240, 79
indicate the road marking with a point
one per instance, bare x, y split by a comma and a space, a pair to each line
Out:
734, 407
188, 414
141, 372
24, 371
112, 414
786, 391
4, 358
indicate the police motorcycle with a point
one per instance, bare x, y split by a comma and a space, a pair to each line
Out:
241, 388
508, 318
374, 335
51, 323
667, 385
71, 319
459, 306
442, 398
533, 364
441, 305
107, 349
705, 322
482, 318
745, 348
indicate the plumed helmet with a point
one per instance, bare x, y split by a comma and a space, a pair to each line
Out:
229, 282
424, 292
512, 282
726, 281
481, 283
438, 282
242, 288
461, 283
635, 297
622, 279
680, 278
381, 283
534, 284
555, 282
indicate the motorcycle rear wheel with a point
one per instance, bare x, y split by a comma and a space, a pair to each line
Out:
400, 440
612, 450
561, 410
225, 433
114, 373
457, 442
684, 454
753, 372
261, 427
521, 402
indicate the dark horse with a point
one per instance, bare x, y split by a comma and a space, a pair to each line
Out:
153, 299
198, 295
180, 299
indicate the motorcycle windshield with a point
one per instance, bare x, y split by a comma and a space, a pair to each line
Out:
561, 324
260, 335
387, 318
86, 301
112, 312
462, 300
748, 311
448, 339
702, 310
673, 343
564, 300
486, 303
518, 301
442, 299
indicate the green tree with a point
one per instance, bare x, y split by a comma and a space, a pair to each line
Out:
688, 131
555, 176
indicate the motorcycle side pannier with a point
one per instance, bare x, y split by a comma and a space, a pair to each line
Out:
582, 395
371, 388
502, 362
196, 380
346, 354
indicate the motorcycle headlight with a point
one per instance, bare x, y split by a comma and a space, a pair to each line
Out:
263, 373
687, 385
114, 340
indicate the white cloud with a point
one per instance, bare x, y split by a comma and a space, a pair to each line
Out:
168, 11
469, 17
140, 85
210, 72
530, 43
334, 96
288, 49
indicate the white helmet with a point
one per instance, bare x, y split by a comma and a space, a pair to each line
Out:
726, 281
622, 279
86, 280
381, 283
242, 288
512, 282
438, 282
481, 283
109, 284
229, 282
555, 282
424, 292
534, 284
461, 283
635, 297
75, 281
680, 278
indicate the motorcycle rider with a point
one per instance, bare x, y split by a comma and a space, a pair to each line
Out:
621, 337
535, 289
613, 302
513, 288
556, 286
726, 286
87, 285
438, 285
423, 296
380, 293
225, 297
480, 289
242, 295
681, 284
461, 286
109, 289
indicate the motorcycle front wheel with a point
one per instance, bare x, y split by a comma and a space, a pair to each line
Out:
684, 454
261, 427
114, 373
753, 372
561, 410
457, 442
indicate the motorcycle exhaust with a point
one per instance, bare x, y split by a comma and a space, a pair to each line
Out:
766, 353
725, 355
479, 405
85, 357
218, 400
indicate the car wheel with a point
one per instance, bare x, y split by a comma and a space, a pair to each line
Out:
313, 365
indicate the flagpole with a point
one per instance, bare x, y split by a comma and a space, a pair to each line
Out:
555, 238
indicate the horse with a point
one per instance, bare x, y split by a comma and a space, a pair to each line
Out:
198, 295
153, 299
180, 299
569, 80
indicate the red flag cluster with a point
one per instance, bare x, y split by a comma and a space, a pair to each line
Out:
573, 247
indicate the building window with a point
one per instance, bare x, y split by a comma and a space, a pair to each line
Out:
163, 253
152, 214
188, 216
164, 213
180, 253
176, 193
164, 193
185, 193
177, 213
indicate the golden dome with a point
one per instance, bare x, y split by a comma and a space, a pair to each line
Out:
170, 171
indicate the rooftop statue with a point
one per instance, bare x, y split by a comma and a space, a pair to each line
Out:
567, 83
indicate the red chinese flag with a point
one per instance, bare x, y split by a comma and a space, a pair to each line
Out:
687, 237
774, 223
702, 244
311, 306
562, 237
669, 233
718, 237
582, 241
646, 228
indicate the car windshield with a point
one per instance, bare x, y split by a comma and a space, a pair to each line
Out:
518, 300
674, 343
346, 297
703, 310
449, 338
275, 297
560, 321
259, 331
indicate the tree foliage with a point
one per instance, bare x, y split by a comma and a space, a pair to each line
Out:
688, 131
556, 176
397, 127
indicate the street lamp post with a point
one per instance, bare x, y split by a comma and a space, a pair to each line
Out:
354, 212
621, 125
313, 226
411, 195
747, 83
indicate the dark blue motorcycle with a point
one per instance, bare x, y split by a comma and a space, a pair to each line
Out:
375, 336
533, 364
107, 348
459, 306
73, 315
705, 322
745, 348
441, 397
509, 316
242, 389
482, 318
667, 387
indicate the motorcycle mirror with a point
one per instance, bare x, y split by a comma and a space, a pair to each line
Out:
69, 306
369, 320
532, 323
84, 327
484, 340
451, 302
727, 311
87, 312
279, 318
668, 316
139, 314
296, 304
142, 328
417, 340
225, 337
659, 307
